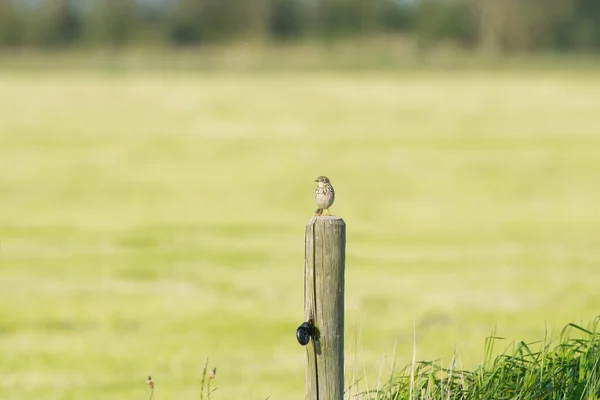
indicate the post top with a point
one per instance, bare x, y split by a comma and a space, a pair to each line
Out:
327, 218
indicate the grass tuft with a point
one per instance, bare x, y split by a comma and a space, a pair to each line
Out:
212, 374
568, 369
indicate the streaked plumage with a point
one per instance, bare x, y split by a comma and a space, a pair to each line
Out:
324, 195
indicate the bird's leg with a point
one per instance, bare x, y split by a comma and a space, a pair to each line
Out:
319, 212
329, 212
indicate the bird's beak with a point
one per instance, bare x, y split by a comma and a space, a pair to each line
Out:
316, 180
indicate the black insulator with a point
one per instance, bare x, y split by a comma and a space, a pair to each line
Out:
304, 333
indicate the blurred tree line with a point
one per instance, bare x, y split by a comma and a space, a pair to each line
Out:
490, 25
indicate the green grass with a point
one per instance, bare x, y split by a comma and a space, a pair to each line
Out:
151, 220
568, 369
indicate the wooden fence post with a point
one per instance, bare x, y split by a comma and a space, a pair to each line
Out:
325, 259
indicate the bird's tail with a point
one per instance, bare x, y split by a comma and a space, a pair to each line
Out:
319, 211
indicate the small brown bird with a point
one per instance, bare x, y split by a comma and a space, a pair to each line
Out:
324, 195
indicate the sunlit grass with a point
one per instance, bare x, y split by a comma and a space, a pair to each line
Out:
149, 221
566, 369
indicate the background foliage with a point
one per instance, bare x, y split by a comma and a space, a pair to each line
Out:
490, 25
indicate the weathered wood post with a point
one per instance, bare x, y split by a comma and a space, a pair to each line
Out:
325, 259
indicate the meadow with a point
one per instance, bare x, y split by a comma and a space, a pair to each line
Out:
149, 220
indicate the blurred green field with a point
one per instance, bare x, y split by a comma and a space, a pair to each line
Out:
151, 220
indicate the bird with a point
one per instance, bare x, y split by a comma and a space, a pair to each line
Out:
324, 195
